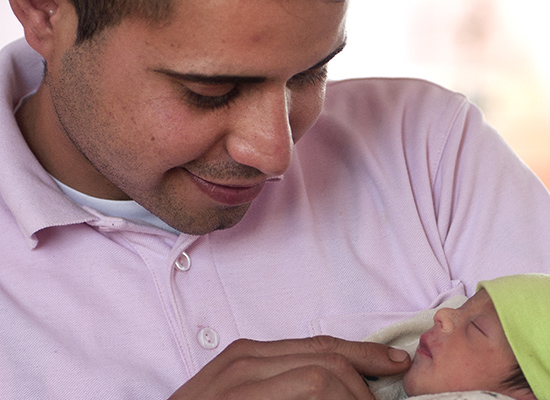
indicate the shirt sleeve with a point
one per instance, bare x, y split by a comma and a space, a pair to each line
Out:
492, 212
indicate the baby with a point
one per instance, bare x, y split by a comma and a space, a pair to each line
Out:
497, 341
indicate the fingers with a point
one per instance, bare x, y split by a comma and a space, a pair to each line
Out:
289, 377
304, 373
374, 359
301, 383
320, 367
368, 358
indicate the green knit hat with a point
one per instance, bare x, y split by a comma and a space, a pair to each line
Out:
522, 303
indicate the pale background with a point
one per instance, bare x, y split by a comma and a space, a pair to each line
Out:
494, 51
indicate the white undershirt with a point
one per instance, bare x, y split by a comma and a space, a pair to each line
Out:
127, 209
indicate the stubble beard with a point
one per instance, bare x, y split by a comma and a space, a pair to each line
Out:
76, 106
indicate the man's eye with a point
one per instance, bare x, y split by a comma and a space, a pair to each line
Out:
310, 77
206, 95
210, 102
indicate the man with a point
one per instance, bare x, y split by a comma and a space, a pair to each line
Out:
155, 118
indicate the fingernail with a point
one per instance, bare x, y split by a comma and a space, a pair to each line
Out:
397, 355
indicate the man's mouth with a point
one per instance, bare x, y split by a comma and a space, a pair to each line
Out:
230, 195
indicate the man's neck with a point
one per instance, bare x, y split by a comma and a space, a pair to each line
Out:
54, 150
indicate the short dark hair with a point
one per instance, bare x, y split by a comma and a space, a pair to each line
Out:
96, 15
517, 380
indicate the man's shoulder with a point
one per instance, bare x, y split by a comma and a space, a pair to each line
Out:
21, 69
389, 94
20, 50
389, 106
388, 85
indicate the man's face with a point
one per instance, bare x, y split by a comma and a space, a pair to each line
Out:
466, 349
191, 118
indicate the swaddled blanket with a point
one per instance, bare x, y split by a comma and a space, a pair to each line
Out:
406, 335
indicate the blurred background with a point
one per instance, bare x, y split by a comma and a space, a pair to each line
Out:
494, 51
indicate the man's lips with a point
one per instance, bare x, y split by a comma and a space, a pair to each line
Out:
423, 349
228, 195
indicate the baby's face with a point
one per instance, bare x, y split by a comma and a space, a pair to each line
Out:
466, 349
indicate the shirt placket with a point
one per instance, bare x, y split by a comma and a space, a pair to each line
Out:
204, 320
192, 296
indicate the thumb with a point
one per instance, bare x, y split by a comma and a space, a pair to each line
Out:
376, 359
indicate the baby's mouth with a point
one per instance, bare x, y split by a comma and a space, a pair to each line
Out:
423, 348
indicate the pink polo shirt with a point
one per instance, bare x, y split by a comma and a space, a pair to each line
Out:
400, 197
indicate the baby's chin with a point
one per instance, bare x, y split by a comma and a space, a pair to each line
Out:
412, 380
408, 385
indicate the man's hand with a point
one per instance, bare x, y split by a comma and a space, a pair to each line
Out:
321, 367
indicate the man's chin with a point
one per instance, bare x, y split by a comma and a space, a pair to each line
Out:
208, 221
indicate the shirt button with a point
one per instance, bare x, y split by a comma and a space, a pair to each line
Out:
208, 338
183, 262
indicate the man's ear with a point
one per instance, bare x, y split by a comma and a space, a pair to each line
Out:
37, 18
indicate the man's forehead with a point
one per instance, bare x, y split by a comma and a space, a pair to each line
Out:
239, 5
256, 22
270, 39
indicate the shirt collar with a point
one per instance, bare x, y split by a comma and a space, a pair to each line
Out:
28, 191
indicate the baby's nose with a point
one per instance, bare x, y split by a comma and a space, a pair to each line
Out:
446, 319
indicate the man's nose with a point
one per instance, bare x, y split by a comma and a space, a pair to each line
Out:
261, 137
446, 319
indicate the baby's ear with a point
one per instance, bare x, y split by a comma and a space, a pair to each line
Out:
38, 18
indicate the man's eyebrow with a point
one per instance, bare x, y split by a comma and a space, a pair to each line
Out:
236, 79
330, 56
211, 79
